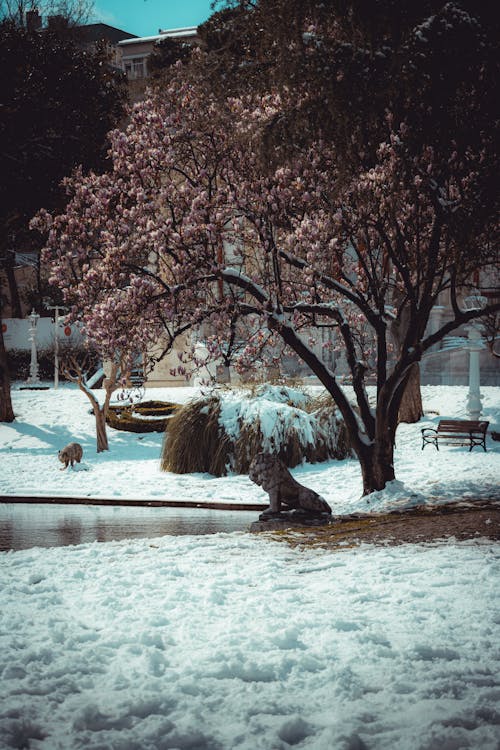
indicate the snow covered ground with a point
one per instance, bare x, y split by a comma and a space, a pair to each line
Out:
48, 420
235, 641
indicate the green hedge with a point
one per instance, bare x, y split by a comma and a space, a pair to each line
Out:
19, 361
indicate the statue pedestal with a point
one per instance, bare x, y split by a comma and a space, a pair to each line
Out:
289, 520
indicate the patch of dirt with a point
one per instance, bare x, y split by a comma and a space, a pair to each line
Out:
461, 520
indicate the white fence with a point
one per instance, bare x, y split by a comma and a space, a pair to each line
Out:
16, 333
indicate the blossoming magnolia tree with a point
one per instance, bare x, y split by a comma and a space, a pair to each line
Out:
142, 251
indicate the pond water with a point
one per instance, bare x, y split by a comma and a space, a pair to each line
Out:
25, 525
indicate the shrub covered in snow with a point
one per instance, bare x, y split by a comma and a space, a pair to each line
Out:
222, 432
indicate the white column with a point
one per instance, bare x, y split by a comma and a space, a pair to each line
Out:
34, 378
474, 403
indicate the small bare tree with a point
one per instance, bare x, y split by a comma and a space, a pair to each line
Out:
75, 369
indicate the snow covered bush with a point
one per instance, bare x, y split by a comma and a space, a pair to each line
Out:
222, 432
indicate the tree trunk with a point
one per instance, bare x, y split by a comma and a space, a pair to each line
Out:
102, 437
73, 370
411, 409
15, 300
376, 474
377, 461
6, 410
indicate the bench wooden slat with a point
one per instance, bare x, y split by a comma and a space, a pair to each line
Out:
462, 423
456, 431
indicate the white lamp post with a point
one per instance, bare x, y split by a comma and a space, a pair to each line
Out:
34, 378
474, 403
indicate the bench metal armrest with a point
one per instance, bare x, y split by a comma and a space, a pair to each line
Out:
428, 429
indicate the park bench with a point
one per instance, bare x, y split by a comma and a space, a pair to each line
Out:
456, 432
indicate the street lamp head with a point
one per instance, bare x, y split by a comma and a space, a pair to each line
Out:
34, 316
475, 301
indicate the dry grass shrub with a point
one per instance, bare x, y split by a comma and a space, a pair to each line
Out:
332, 426
196, 442
282, 393
292, 452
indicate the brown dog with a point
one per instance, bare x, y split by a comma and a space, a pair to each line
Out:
71, 453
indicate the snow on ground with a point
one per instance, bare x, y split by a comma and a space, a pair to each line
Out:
234, 641
47, 420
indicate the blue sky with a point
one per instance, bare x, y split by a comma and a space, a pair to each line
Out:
145, 17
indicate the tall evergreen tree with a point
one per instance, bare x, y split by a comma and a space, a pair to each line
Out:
58, 100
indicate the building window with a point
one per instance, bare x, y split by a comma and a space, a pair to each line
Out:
135, 67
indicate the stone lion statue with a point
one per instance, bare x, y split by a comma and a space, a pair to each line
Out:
285, 493
69, 454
